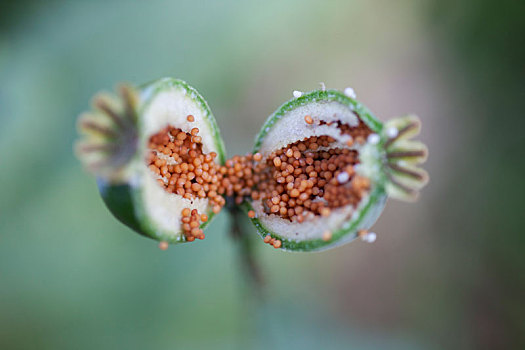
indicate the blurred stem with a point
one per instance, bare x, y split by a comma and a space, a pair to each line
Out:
251, 269
252, 278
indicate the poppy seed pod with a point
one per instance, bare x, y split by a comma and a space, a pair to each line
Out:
327, 166
148, 148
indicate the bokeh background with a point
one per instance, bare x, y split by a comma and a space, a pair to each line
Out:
446, 273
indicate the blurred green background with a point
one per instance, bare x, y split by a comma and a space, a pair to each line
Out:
446, 273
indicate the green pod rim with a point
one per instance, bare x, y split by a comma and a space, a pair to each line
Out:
366, 213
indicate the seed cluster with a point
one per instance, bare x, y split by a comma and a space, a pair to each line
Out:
191, 220
358, 133
180, 166
276, 243
299, 181
302, 180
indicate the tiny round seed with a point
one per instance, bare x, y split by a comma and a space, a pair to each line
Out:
308, 119
325, 212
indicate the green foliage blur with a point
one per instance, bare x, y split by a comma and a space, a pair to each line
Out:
448, 272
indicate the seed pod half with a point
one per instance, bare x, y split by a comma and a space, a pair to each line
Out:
152, 149
327, 166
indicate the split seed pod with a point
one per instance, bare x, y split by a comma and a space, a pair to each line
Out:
147, 148
326, 167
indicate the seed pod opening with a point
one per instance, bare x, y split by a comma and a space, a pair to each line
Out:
156, 151
326, 169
